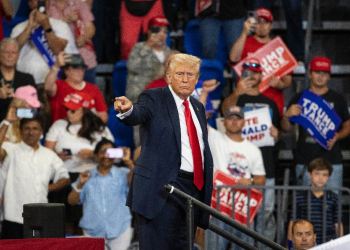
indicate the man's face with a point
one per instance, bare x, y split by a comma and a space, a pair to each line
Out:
319, 178
319, 79
234, 124
31, 133
263, 28
303, 236
9, 55
255, 78
182, 78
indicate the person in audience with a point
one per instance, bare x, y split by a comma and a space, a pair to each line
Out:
247, 44
294, 21
237, 157
247, 96
319, 171
55, 33
102, 191
74, 139
230, 19
78, 16
28, 168
146, 60
73, 67
307, 148
303, 234
10, 78
25, 97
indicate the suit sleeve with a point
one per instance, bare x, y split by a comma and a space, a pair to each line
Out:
143, 110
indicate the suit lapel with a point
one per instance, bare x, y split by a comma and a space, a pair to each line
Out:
174, 115
202, 122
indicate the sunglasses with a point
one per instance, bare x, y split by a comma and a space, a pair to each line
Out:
72, 111
251, 65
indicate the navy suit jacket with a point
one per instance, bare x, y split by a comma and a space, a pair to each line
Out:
160, 158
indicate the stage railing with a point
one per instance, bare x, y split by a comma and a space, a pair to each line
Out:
280, 209
191, 202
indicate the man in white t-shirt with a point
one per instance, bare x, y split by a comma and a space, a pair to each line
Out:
237, 157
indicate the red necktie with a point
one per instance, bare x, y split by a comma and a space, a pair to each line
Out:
198, 179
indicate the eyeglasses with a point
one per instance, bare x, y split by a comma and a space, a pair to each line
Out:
72, 111
252, 65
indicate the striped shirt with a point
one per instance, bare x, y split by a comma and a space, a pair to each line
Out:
316, 212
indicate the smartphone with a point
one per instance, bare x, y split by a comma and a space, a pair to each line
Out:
67, 151
253, 14
26, 113
42, 6
245, 73
114, 153
155, 29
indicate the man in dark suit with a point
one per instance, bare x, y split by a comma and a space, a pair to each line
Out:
175, 150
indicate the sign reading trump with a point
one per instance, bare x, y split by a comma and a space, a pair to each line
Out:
240, 198
318, 117
275, 59
257, 127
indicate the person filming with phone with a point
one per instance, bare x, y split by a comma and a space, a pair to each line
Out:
73, 70
10, 78
256, 34
74, 139
29, 168
102, 191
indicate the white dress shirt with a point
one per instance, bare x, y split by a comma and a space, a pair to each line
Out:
28, 175
186, 151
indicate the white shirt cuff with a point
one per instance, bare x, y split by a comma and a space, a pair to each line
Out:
121, 116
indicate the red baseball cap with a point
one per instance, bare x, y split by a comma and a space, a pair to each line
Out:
320, 63
265, 13
252, 64
158, 21
77, 100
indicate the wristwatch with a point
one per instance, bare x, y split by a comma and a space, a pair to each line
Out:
48, 30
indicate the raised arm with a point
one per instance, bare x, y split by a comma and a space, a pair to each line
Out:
74, 195
241, 88
237, 48
293, 110
24, 36
7, 8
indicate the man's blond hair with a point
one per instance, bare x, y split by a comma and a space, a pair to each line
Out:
186, 59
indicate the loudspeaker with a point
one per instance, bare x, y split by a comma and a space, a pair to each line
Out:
44, 220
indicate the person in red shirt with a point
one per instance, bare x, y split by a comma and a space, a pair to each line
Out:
73, 67
248, 44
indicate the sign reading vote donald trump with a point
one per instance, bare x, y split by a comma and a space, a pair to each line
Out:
318, 117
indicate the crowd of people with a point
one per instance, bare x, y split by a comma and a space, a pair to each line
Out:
54, 138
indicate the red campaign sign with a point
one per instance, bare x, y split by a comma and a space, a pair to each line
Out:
241, 199
275, 59
202, 5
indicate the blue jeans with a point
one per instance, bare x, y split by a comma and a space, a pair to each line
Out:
335, 180
265, 219
295, 33
90, 75
210, 29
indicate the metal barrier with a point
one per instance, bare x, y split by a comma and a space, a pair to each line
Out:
281, 205
191, 202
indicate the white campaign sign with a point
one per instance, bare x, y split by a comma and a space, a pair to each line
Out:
257, 127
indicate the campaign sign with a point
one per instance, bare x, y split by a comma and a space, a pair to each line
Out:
40, 41
318, 117
241, 199
257, 127
275, 59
